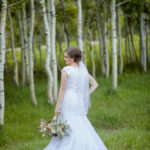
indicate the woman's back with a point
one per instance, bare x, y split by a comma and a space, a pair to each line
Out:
72, 73
73, 101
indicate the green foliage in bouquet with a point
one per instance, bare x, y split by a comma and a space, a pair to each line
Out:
54, 127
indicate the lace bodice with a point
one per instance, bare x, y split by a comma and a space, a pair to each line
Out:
73, 100
72, 73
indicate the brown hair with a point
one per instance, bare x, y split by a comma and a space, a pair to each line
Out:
74, 53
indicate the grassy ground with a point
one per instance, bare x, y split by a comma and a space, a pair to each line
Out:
121, 118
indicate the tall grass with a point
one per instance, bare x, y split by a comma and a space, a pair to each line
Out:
120, 117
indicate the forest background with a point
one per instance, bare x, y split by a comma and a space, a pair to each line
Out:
114, 38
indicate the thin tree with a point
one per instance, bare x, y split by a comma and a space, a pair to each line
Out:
48, 55
53, 44
142, 42
119, 40
31, 65
15, 77
106, 53
2, 59
26, 46
113, 44
80, 29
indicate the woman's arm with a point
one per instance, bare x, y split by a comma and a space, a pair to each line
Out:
61, 91
93, 83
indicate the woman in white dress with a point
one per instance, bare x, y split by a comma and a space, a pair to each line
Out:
73, 103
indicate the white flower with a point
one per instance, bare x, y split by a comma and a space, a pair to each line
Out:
44, 129
53, 130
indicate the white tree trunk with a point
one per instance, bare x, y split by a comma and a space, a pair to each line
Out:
142, 43
53, 43
23, 68
80, 39
114, 49
13, 49
80, 42
31, 66
106, 53
49, 19
2, 59
119, 41
48, 55
80, 29
26, 43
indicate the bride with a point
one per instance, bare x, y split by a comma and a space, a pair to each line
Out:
73, 103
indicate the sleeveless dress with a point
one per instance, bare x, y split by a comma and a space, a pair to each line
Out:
82, 135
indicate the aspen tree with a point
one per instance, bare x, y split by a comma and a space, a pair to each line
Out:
48, 55
113, 44
119, 40
31, 65
53, 50
2, 59
142, 43
15, 77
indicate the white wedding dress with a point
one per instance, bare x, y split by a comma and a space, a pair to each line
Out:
82, 135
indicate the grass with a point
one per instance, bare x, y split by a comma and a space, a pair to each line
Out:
120, 117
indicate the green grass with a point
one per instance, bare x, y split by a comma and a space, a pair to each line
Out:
121, 118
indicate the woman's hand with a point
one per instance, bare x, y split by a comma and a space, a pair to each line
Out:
57, 111
93, 83
61, 91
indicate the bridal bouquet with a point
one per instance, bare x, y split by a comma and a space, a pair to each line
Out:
55, 127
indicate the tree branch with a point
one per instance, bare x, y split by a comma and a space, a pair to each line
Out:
15, 3
122, 3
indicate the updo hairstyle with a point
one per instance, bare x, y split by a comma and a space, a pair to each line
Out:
74, 53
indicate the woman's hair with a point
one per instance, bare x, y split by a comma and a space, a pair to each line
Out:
74, 53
